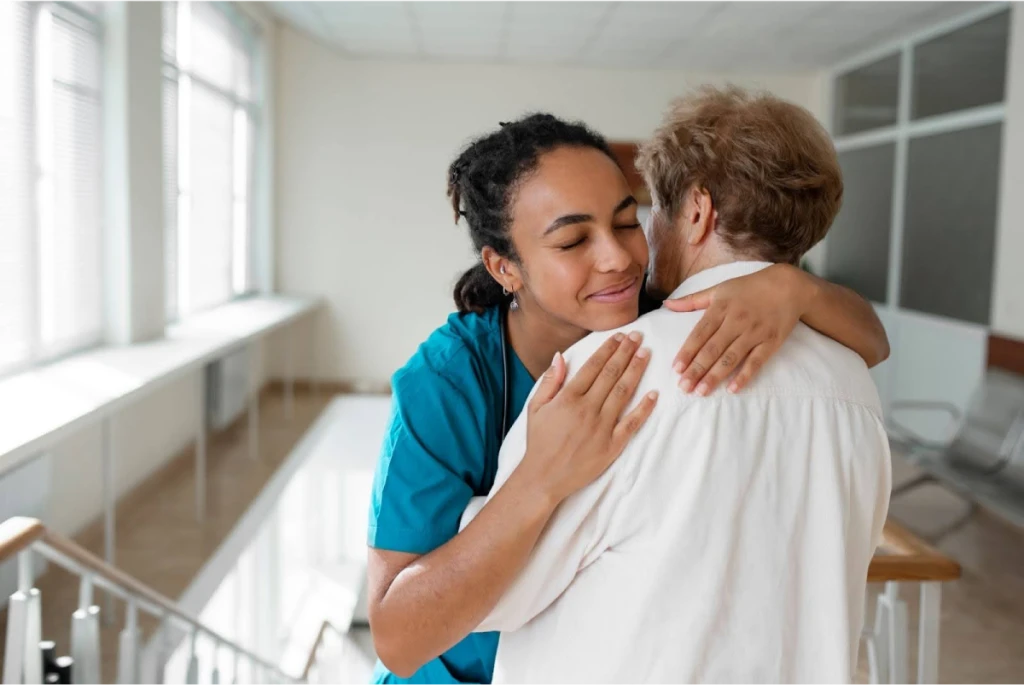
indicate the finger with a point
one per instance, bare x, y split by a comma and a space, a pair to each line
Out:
634, 420
584, 378
709, 356
699, 336
550, 383
728, 363
751, 367
690, 303
623, 390
613, 370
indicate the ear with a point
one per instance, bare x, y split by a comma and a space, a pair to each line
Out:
701, 214
501, 269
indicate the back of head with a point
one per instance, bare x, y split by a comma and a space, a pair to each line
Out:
770, 168
482, 182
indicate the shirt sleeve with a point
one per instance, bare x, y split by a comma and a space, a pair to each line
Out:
432, 453
573, 539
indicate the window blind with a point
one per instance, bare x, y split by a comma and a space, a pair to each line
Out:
50, 181
208, 154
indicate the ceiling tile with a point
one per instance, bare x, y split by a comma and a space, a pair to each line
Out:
371, 28
715, 36
460, 29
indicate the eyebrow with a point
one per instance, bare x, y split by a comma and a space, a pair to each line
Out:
570, 219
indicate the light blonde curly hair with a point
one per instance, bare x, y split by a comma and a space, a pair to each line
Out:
770, 168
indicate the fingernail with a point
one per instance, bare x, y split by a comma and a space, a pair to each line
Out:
702, 389
619, 337
678, 368
635, 336
686, 384
652, 395
643, 352
734, 387
554, 360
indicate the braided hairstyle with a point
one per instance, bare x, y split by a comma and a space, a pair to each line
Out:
481, 185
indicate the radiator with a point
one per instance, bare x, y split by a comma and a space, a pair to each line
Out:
24, 491
228, 385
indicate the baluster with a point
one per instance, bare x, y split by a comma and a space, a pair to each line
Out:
215, 674
85, 635
23, 662
235, 666
128, 646
192, 674
163, 650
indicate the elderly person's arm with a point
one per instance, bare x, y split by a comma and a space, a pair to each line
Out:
748, 319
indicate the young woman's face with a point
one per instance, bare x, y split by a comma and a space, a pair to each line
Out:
582, 251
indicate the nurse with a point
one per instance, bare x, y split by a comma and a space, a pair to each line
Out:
562, 254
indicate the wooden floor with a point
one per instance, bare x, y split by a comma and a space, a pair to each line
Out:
159, 541
982, 627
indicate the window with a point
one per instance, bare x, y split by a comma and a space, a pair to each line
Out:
867, 97
858, 250
50, 181
918, 131
210, 116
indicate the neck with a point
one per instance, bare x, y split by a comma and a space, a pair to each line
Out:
711, 254
536, 338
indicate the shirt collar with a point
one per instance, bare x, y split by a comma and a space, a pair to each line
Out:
715, 275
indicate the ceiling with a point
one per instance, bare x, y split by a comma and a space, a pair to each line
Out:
710, 36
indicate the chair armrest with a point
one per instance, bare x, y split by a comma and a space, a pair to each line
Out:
902, 432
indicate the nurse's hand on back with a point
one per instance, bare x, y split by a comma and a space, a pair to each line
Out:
562, 461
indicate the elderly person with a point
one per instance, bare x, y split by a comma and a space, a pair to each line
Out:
731, 540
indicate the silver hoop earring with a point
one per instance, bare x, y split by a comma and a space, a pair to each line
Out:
504, 292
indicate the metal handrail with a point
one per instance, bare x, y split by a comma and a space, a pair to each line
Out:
22, 534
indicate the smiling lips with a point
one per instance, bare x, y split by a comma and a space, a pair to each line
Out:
617, 293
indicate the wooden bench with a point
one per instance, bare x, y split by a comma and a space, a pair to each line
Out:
902, 558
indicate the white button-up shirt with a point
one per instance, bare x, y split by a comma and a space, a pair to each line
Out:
729, 542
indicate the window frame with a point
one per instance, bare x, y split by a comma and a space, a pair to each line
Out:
38, 354
907, 129
185, 79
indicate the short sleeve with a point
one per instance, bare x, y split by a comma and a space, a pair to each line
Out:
433, 452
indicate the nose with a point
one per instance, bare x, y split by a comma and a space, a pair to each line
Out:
612, 255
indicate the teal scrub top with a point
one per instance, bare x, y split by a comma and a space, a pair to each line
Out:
440, 450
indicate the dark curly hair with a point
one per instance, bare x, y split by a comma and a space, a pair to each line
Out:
482, 182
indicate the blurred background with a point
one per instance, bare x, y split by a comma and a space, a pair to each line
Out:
223, 226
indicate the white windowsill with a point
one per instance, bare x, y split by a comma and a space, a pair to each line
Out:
40, 406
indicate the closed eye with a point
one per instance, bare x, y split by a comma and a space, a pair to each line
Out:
629, 226
571, 245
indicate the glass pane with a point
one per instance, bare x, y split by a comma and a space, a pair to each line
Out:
69, 222
857, 253
70, 250
207, 242
962, 69
214, 40
949, 229
170, 40
868, 97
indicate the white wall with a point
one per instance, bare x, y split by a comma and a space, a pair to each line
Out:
1008, 296
362, 152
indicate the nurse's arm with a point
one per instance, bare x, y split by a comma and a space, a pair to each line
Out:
571, 541
747, 319
422, 605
